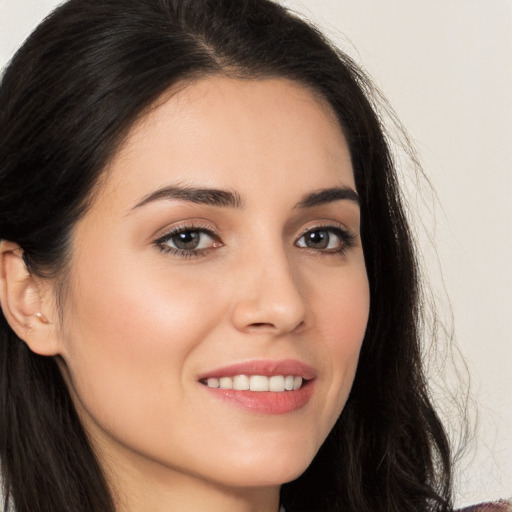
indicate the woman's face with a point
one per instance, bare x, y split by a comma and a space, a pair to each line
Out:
222, 250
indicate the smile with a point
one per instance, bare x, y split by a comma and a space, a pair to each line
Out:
275, 383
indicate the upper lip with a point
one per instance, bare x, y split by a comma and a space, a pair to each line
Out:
263, 367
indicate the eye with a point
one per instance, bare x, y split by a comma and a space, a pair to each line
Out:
188, 241
328, 239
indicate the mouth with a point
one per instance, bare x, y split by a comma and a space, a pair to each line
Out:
274, 383
263, 387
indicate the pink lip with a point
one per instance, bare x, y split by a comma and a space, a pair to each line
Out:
265, 402
264, 367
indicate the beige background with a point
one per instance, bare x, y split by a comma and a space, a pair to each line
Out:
446, 67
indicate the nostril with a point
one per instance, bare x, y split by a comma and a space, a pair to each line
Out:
269, 325
276, 315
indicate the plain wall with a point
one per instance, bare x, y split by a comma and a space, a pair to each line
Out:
446, 67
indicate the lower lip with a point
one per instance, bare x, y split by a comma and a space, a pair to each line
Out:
266, 402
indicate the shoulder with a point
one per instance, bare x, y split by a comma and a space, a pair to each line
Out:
496, 506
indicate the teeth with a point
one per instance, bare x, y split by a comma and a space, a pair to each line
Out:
241, 382
276, 383
226, 383
258, 383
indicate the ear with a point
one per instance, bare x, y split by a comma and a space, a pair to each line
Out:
26, 302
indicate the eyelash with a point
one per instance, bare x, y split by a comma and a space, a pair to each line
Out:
347, 240
161, 242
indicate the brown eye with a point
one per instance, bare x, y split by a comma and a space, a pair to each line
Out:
188, 240
331, 239
317, 239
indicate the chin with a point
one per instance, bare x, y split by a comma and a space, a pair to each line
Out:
268, 466
267, 476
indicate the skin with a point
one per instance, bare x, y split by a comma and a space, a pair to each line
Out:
141, 324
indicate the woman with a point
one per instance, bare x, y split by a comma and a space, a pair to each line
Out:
209, 291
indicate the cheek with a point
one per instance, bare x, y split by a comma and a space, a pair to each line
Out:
124, 309
341, 315
128, 344
342, 308
345, 318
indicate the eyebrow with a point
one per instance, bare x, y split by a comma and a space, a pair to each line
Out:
229, 199
208, 196
329, 195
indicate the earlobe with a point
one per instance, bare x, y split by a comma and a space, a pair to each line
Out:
22, 302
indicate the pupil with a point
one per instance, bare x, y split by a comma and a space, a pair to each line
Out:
318, 239
187, 240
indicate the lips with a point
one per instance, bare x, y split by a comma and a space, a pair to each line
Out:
267, 368
266, 387
275, 383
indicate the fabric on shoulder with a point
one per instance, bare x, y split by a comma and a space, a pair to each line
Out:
495, 506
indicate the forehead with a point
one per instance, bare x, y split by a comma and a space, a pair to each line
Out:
221, 131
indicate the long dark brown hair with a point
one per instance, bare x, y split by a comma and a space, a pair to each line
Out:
67, 100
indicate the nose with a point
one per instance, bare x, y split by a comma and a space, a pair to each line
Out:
269, 296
